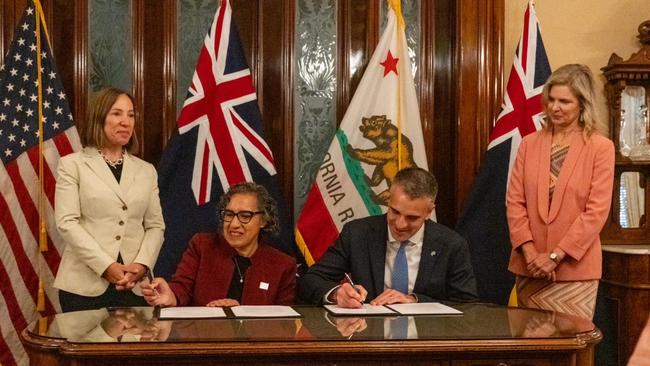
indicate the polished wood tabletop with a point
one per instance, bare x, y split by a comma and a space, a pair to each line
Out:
483, 335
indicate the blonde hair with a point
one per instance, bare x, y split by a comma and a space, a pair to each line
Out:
98, 109
579, 79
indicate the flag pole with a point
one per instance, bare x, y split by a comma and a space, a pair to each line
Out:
42, 237
396, 5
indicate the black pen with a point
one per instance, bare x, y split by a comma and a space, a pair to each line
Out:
149, 275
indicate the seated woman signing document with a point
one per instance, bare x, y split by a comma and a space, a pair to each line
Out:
233, 267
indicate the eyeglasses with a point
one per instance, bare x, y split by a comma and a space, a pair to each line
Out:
243, 216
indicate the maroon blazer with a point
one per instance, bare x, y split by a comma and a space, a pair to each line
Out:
206, 269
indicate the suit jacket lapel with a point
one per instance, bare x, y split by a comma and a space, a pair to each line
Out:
129, 170
575, 150
543, 175
431, 250
97, 164
224, 255
377, 239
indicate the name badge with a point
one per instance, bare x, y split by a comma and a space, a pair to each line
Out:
264, 286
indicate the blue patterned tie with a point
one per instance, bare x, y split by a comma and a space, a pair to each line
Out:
399, 328
400, 276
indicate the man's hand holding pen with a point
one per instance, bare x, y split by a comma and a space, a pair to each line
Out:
348, 296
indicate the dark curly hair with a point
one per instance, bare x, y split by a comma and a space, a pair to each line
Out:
265, 203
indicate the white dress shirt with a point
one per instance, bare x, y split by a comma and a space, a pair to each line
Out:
413, 251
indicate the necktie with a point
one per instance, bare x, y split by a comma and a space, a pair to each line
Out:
400, 276
399, 327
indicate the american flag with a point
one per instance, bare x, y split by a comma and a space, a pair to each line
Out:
22, 264
219, 132
484, 223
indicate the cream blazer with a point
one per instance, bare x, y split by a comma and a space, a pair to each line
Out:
580, 206
99, 218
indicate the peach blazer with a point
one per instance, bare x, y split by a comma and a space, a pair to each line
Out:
580, 206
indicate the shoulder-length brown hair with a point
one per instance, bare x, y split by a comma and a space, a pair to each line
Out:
98, 109
579, 79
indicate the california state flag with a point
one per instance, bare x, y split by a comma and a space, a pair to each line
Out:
380, 134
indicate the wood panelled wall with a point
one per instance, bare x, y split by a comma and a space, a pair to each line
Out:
460, 74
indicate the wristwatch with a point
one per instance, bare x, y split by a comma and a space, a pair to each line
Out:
554, 257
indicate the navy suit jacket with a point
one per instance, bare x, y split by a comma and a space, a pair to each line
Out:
445, 272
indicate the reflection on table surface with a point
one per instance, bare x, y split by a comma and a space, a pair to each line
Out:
478, 321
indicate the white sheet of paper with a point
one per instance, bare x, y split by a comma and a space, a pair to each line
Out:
426, 308
191, 312
367, 309
264, 311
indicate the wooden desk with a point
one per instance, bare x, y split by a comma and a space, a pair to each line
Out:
626, 285
484, 335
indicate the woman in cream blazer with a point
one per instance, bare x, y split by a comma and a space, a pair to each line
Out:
107, 211
558, 199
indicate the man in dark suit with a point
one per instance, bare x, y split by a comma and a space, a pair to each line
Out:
399, 257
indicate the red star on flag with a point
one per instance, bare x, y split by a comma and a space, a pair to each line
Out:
390, 64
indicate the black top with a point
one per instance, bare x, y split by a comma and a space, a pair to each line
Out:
236, 288
116, 170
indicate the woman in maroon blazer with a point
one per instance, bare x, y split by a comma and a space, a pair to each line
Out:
233, 267
559, 197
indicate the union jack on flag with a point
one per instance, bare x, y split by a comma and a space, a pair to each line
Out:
220, 84
484, 223
219, 132
521, 111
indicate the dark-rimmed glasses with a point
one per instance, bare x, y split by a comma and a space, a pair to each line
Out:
243, 216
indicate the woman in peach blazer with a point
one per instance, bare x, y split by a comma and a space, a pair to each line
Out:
558, 199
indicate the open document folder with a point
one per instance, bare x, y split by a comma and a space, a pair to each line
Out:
423, 308
191, 312
264, 311
242, 311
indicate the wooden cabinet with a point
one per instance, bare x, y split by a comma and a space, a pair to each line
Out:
626, 236
628, 97
626, 284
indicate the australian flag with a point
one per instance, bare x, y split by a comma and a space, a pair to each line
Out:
483, 222
218, 144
